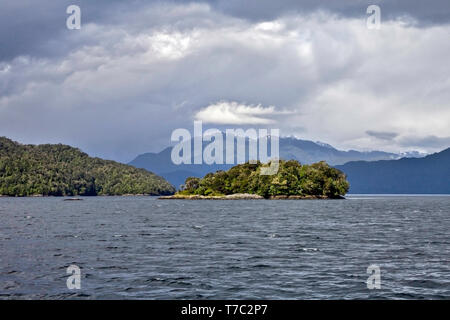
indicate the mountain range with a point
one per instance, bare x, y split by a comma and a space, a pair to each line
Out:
428, 175
304, 151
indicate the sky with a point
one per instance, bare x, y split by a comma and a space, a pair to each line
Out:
137, 70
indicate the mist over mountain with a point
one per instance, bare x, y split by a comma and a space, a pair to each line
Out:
304, 151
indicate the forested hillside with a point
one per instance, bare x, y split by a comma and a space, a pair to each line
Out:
61, 170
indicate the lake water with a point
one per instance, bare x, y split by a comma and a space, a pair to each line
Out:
141, 247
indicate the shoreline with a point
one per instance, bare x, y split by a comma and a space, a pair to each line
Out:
102, 195
246, 196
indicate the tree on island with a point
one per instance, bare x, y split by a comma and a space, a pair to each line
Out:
292, 179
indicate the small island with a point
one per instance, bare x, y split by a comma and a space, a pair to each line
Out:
244, 181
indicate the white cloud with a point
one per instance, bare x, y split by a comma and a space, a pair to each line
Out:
235, 113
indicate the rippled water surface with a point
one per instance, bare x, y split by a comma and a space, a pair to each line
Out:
141, 247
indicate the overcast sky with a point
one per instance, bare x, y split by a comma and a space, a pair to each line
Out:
137, 70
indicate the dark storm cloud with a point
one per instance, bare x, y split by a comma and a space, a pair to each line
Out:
37, 28
382, 135
425, 12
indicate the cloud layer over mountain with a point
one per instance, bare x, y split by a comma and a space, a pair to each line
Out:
136, 71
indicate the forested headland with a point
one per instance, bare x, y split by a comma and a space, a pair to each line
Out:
61, 170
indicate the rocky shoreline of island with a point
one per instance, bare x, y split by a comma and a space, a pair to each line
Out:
247, 196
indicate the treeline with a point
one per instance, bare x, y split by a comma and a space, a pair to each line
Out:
292, 179
60, 170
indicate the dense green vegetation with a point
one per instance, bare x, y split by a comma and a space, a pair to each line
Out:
60, 170
292, 179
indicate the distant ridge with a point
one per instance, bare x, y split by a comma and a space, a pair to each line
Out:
428, 175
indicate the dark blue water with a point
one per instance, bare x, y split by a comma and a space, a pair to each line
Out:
141, 247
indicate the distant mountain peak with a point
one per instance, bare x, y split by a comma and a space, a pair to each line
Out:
325, 145
412, 154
